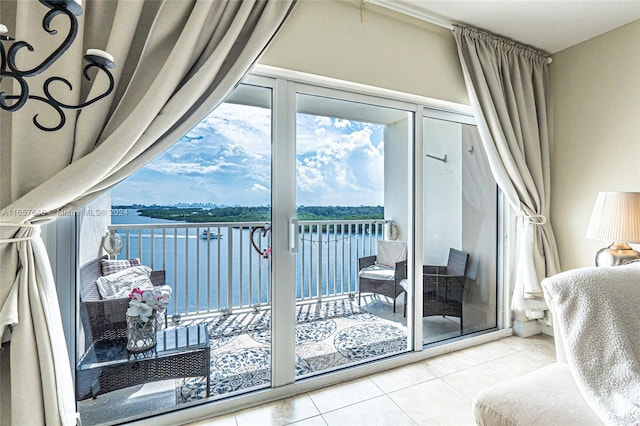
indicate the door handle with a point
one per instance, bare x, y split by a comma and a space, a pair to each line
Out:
293, 235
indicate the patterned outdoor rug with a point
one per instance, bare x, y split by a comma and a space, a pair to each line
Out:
329, 335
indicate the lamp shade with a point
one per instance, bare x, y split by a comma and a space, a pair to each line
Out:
616, 217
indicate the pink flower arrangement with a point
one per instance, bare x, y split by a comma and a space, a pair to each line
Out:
146, 303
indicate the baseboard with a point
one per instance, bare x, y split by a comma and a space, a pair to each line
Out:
527, 328
546, 329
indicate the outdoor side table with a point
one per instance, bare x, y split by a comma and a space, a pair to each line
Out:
108, 366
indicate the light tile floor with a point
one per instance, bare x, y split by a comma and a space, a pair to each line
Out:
436, 391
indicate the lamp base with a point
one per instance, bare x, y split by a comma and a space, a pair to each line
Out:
616, 254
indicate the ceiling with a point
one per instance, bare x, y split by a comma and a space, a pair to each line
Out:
548, 25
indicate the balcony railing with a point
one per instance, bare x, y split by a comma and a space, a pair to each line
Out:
214, 267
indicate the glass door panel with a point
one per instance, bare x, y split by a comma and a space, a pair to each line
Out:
459, 232
352, 193
201, 212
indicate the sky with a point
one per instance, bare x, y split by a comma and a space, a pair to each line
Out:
226, 160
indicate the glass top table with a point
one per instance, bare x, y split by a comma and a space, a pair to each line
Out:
108, 366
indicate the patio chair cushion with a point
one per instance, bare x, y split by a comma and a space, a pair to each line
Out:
120, 284
110, 266
391, 252
378, 272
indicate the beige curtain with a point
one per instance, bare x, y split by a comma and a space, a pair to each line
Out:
507, 86
176, 60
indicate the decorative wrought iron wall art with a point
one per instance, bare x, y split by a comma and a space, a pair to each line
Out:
98, 59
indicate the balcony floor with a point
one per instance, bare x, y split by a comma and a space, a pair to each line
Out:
329, 335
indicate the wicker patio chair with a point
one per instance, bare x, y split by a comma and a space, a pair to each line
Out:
443, 286
381, 274
104, 319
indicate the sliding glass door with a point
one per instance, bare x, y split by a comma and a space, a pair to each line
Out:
199, 215
353, 179
459, 241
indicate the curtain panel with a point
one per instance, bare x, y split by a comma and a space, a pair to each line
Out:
507, 86
175, 62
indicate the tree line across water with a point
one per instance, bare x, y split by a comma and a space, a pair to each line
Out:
258, 213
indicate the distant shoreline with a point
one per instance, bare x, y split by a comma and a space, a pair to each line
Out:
253, 213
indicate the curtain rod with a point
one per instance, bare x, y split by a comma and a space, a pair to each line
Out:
412, 12
416, 14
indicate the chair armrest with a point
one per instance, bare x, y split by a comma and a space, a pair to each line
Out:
433, 269
401, 271
442, 275
158, 277
434, 276
106, 318
363, 262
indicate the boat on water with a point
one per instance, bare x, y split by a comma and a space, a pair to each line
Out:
206, 234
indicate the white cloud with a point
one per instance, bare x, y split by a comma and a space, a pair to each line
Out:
246, 126
309, 177
221, 158
322, 121
344, 167
182, 168
341, 123
259, 188
226, 159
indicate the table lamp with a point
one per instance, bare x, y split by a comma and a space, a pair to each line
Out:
616, 217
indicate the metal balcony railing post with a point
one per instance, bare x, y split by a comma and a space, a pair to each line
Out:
319, 273
175, 271
230, 272
186, 270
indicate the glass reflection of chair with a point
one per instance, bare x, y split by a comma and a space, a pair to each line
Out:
382, 273
443, 286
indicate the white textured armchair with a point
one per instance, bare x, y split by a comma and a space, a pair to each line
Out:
596, 379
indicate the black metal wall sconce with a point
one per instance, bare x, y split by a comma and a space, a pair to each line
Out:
99, 59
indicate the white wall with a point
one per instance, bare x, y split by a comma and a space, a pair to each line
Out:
387, 50
397, 179
92, 224
442, 209
595, 138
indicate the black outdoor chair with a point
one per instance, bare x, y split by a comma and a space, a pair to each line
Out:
443, 286
381, 274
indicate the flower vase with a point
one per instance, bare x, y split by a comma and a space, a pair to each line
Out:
141, 336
